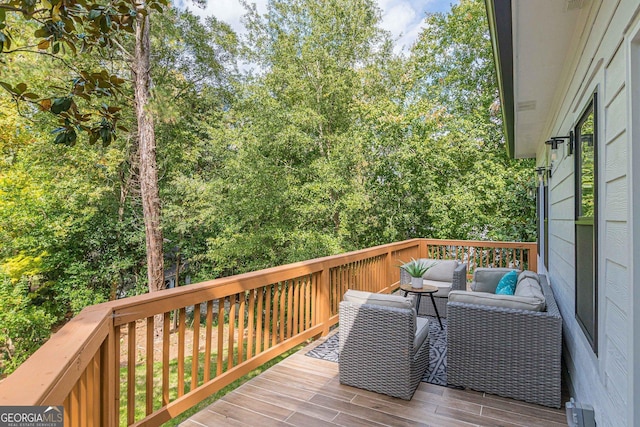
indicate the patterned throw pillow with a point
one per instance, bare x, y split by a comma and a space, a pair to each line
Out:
507, 285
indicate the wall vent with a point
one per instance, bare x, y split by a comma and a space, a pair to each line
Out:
526, 106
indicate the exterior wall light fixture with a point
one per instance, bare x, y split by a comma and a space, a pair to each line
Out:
555, 140
541, 171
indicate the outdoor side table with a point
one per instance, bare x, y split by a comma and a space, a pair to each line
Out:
425, 289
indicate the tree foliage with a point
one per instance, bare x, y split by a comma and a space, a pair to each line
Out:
328, 143
64, 28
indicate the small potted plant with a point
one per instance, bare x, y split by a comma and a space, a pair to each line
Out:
416, 270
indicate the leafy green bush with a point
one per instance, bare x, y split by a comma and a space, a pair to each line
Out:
23, 326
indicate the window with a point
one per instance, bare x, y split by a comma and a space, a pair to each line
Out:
586, 222
545, 191
539, 217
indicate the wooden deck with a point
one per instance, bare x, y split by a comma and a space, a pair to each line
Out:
303, 391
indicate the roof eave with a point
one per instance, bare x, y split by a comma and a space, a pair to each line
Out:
499, 16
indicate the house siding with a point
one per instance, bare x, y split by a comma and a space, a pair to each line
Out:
607, 380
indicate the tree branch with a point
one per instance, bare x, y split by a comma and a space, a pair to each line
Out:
123, 50
28, 49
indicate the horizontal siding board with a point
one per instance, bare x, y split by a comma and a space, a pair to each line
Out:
561, 249
615, 74
585, 50
616, 162
616, 327
616, 242
616, 368
563, 209
562, 265
563, 229
617, 284
562, 170
616, 116
602, 40
564, 291
616, 203
566, 189
616, 383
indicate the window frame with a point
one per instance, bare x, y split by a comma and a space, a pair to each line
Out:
590, 331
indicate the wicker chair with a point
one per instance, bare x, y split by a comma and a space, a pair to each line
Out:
382, 349
505, 351
457, 282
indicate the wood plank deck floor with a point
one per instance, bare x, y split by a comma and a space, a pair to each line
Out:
303, 391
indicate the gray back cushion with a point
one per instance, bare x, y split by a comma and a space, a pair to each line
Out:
529, 287
362, 297
442, 271
486, 279
528, 274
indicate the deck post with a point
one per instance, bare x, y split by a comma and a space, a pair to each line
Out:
109, 371
324, 304
423, 248
533, 257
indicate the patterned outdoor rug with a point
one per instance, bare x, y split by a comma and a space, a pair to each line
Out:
436, 372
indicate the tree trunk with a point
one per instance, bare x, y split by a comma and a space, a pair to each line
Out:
125, 175
147, 150
148, 167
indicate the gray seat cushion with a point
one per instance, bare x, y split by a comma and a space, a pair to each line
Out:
422, 332
383, 300
505, 301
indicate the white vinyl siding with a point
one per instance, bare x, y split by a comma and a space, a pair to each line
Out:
630, 155
600, 64
617, 242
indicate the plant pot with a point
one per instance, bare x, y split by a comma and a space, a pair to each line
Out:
416, 282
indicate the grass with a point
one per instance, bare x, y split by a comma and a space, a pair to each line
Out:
173, 389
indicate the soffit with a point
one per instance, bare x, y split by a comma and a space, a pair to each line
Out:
542, 31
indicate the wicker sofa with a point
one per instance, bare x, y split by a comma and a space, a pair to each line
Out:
384, 346
447, 275
509, 346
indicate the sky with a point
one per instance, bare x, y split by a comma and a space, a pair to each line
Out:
402, 18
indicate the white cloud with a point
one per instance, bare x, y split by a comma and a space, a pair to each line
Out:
398, 17
404, 20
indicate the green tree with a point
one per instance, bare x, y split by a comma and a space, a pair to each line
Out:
194, 72
63, 29
480, 193
296, 173
23, 326
83, 27
70, 215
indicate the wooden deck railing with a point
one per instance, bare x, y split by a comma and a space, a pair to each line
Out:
477, 253
107, 367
